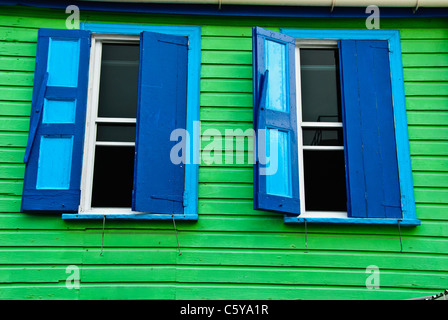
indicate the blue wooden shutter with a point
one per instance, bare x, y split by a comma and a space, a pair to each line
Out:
53, 155
373, 188
162, 106
275, 112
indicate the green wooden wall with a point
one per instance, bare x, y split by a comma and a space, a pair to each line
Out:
232, 252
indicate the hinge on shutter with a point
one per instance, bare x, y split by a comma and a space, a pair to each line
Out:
89, 40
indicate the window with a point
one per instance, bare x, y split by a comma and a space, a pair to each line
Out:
339, 99
109, 151
106, 148
320, 134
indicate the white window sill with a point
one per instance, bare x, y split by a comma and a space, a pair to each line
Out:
347, 220
128, 216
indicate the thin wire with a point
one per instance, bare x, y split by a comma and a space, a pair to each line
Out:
177, 239
306, 238
102, 236
332, 5
416, 7
399, 233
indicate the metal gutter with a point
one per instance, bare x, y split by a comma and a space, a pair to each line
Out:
314, 3
173, 7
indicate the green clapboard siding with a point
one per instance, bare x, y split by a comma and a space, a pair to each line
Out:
232, 251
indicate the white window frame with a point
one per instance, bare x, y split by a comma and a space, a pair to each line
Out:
311, 44
92, 120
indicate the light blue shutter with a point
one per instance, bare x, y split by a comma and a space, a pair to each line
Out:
276, 185
162, 107
373, 189
53, 155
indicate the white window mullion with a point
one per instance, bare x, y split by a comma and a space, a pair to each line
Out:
323, 147
116, 120
115, 144
91, 126
321, 124
299, 130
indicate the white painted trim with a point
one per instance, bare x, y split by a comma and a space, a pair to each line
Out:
299, 131
116, 211
116, 38
115, 143
116, 120
322, 124
90, 133
324, 214
316, 43
322, 147
107, 211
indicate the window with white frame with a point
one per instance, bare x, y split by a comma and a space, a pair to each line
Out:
111, 122
320, 135
112, 95
337, 97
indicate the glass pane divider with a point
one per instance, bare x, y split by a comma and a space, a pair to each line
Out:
115, 143
115, 120
322, 124
323, 147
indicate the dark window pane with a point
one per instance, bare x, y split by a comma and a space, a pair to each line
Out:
113, 177
119, 81
322, 137
116, 132
324, 173
321, 57
320, 85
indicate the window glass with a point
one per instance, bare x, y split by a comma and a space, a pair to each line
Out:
322, 144
114, 163
322, 137
113, 177
116, 132
319, 78
324, 180
118, 81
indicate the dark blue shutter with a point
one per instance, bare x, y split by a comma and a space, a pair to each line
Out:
276, 183
373, 188
53, 155
162, 105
